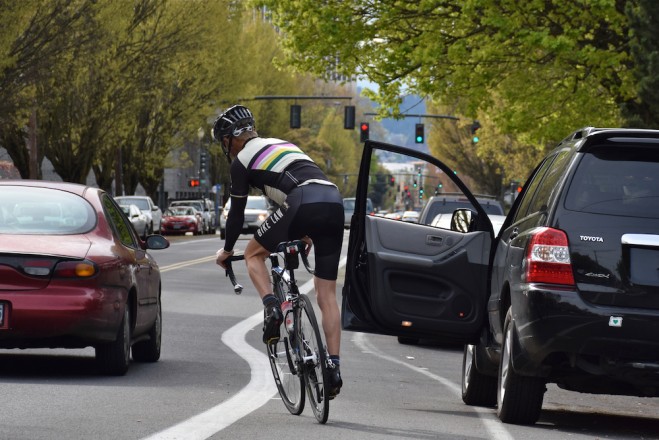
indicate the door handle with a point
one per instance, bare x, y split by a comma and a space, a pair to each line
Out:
434, 240
514, 233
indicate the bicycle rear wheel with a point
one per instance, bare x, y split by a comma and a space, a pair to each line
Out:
315, 360
286, 368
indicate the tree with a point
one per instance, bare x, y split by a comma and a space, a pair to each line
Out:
553, 64
35, 35
642, 110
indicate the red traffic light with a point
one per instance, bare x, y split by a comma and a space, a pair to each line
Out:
363, 131
193, 182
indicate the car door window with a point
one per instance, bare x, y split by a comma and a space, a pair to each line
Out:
408, 189
119, 224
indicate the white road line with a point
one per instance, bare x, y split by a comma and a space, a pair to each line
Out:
494, 427
257, 393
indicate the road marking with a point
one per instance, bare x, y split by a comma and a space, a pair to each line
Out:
257, 393
186, 263
493, 426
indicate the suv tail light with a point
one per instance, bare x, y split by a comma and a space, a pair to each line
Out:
548, 258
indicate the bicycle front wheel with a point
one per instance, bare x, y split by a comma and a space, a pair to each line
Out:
315, 360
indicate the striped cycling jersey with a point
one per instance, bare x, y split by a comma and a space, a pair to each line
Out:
273, 166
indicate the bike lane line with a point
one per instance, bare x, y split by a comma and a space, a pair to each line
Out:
260, 389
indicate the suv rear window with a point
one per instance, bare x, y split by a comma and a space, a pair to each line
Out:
617, 181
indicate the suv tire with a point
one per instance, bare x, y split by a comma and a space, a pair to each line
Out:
519, 398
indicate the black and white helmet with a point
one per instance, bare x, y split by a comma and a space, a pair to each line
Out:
234, 121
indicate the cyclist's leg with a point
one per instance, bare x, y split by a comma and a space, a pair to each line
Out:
321, 218
255, 256
331, 317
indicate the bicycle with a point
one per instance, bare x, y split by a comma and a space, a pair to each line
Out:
299, 360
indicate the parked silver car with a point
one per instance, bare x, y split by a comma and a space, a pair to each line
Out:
137, 218
146, 205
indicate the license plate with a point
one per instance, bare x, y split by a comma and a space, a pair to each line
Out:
644, 264
177, 226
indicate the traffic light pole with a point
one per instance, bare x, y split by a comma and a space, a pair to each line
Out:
407, 115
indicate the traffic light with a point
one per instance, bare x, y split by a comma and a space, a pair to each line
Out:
474, 128
296, 116
363, 131
421, 192
193, 182
203, 162
419, 137
349, 117
392, 181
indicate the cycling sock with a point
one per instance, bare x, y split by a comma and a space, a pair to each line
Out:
269, 300
335, 359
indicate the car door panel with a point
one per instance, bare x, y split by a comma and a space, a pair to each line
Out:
415, 280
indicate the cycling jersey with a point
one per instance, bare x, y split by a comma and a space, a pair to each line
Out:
278, 168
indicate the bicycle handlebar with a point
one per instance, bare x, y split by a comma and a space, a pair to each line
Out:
237, 288
289, 248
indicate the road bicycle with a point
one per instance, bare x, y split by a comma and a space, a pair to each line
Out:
299, 359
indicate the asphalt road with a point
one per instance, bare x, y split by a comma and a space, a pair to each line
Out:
213, 381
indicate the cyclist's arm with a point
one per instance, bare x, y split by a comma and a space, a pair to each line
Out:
239, 192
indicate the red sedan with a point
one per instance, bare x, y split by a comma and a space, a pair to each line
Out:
182, 219
74, 273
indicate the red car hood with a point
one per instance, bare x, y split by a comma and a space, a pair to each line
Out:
75, 246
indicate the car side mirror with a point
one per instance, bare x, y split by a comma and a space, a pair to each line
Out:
463, 220
155, 208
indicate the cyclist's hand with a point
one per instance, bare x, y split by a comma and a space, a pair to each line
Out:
308, 244
222, 255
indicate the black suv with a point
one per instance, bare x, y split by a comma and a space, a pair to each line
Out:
567, 293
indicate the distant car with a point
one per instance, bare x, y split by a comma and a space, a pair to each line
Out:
258, 208
448, 203
74, 273
182, 219
205, 208
394, 215
146, 205
410, 216
349, 209
137, 218
444, 221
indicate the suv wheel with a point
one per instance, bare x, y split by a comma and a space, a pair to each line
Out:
519, 398
477, 388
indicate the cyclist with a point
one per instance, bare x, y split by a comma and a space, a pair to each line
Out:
310, 208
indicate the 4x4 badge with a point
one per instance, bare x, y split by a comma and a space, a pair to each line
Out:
589, 238
615, 321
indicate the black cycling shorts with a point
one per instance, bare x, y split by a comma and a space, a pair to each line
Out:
315, 211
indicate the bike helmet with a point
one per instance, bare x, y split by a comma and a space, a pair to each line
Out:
233, 122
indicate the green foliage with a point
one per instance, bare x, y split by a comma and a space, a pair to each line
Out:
554, 65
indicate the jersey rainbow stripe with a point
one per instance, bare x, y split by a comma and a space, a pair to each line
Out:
277, 157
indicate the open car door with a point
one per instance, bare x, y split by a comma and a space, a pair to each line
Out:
410, 279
